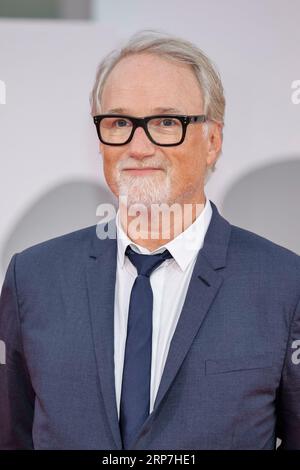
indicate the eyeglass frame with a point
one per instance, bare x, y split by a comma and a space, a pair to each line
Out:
142, 122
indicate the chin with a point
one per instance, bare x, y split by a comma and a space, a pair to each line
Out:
143, 200
145, 191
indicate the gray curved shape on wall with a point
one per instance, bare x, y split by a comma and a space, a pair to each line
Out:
266, 201
63, 209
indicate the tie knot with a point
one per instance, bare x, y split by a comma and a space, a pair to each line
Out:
145, 264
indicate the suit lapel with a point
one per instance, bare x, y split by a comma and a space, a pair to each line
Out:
101, 276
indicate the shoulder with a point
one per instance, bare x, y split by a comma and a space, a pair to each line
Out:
70, 245
251, 249
247, 240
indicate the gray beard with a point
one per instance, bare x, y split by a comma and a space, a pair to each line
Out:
145, 190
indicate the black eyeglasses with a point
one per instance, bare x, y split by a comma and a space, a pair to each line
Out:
166, 130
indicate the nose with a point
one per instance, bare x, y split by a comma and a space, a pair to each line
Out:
140, 146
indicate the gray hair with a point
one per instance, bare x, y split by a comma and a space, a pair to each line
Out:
173, 48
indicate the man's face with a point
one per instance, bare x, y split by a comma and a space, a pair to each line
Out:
146, 173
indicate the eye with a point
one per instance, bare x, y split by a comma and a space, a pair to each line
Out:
168, 122
120, 122
165, 123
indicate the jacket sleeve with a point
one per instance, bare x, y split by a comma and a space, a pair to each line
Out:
16, 392
288, 403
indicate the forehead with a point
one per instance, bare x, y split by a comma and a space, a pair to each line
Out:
147, 81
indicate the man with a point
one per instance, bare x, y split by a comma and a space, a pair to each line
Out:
177, 337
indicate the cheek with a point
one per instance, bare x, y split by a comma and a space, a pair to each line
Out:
109, 166
187, 167
110, 159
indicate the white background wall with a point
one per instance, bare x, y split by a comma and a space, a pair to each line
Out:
51, 176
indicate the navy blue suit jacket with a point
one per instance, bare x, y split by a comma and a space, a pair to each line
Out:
231, 379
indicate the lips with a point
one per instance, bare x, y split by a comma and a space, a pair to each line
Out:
141, 171
144, 168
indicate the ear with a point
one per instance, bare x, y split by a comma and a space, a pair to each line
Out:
214, 142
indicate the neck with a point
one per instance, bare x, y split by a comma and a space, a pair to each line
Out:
156, 226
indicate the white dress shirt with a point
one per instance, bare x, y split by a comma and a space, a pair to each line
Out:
169, 284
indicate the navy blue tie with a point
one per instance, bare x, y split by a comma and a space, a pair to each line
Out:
135, 394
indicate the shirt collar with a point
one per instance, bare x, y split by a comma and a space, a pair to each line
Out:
183, 248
